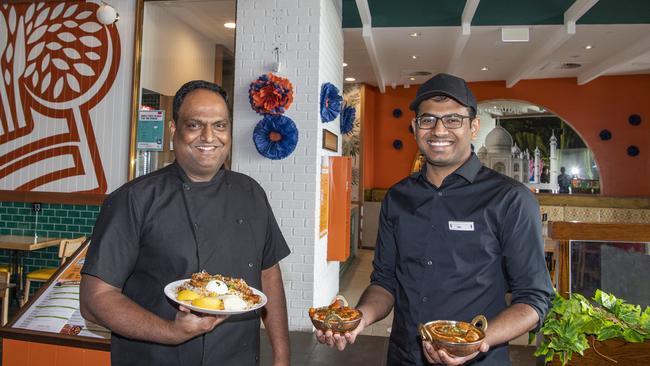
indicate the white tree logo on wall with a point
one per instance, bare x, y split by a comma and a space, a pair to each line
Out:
57, 62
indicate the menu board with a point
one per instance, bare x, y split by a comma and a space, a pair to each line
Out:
56, 310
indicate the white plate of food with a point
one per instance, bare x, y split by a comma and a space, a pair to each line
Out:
215, 294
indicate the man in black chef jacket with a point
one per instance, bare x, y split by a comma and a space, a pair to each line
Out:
190, 216
453, 239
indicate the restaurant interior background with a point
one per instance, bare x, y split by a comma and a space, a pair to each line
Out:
582, 67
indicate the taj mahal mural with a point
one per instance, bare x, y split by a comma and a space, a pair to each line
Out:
532, 146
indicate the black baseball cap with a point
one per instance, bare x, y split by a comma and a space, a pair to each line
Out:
448, 85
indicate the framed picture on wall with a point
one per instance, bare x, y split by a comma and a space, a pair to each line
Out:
330, 141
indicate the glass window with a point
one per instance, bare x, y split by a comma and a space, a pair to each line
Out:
181, 41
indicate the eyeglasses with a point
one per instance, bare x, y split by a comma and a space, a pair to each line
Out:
450, 121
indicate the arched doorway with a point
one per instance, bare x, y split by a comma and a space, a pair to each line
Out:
530, 144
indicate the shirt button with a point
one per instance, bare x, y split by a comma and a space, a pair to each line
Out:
186, 186
240, 221
433, 227
425, 299
196, 226
250, 264
439, 193
429, 263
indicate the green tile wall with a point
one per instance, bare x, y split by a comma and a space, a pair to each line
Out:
54, 221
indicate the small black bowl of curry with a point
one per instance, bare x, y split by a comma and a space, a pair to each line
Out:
455, 337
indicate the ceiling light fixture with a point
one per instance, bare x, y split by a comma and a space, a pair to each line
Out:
414, 57
588, 47
412, 78
345, 64
484, 68
414, 34
350, 79
230, 25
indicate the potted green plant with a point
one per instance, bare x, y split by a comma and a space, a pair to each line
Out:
575, 324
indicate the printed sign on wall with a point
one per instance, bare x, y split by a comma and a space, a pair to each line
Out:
150, 130
324, 195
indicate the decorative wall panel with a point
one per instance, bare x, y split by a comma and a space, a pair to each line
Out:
65, 96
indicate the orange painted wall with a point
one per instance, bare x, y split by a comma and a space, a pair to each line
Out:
368, 127
603, 103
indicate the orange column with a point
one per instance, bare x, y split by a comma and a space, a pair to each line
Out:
340, 195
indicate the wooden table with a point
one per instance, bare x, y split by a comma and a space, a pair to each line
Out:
18, 245
26, 243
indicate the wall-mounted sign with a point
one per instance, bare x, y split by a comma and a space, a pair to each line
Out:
324, 195
151, 129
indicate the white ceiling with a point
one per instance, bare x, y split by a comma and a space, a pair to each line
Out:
435, 46
207, 17
617, 49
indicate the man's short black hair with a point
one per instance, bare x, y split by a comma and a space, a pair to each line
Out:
191, 86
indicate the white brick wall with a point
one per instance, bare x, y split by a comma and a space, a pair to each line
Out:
330, 49
309, 37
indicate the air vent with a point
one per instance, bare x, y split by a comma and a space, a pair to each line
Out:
569, 65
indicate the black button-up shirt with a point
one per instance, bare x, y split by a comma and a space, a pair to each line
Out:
163, 227
453, 252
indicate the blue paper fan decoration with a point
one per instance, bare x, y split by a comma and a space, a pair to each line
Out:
348, 116
330, 102
275, 136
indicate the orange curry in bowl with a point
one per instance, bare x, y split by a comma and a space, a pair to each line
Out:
345, 313
336, 317
459, 332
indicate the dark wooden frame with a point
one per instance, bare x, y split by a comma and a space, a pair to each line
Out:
53, 197
330, 140
567, 231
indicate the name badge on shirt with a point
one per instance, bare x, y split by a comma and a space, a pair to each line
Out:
461, 225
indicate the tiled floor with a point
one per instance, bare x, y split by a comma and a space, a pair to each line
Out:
371, 347
354, 281
366, 351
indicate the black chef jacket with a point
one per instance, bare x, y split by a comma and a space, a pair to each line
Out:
163, 227
452, 252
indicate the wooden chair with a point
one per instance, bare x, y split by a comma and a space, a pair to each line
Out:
4, 294
67, 247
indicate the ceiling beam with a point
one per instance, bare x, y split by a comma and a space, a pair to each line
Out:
575, 12
557, 39
456, 54
468, 15
461, 41
622, 57
366, 21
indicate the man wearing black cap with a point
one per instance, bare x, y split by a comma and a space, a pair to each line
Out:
453, 239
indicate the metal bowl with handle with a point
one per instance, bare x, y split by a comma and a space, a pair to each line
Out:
333, 321
457, 338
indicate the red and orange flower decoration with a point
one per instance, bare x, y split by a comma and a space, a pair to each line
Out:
270, 94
